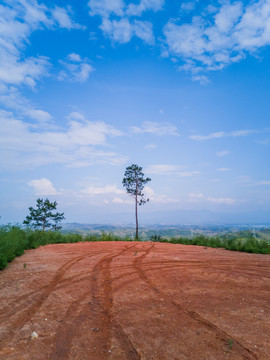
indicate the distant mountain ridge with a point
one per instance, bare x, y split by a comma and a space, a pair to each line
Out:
181, 217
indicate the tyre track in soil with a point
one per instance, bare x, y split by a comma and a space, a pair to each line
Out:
95, 315
6, 314
247, 354
15, 306
24, 312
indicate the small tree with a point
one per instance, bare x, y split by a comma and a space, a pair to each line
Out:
134, 183
43, 217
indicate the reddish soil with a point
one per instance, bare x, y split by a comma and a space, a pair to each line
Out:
130, 300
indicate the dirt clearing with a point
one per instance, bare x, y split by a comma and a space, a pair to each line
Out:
131, 300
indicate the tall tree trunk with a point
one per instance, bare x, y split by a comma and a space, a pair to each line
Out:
136, 214
136, 209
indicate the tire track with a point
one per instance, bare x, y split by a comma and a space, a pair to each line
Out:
24, 312
95, 315
22, 301
25, 298
127, 345
221, 334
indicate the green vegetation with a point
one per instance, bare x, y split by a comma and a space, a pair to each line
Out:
43, 217
14, 240
230, 343
234, 242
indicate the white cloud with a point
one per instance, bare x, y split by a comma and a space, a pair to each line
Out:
248, 181
144, 31
76, 69
223, 169
63, 18
157, 198
223, 153
163, 169
74, 57
10, 98
39, 115
185, 174
117, 30
202, 198
92, 36
117, 23
264, 182
42, 187
225, 201
252, 31
195, 197
243, 132
77, 145
14, 71
150, 146
122, 30
216, 135
155, 128
264, 142
228, 16
107, 189
119, 196
188, 5
176, 170
244, 179
75, 115
118, 200
144, 5
202, 79
105, 8
219, 37
18, 20
222, 134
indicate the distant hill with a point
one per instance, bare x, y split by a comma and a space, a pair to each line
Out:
167, 231
180, 217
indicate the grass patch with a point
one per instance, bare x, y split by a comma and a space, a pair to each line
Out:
14, 240
229, 242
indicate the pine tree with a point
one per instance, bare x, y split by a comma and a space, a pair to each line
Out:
134, 183
43, 217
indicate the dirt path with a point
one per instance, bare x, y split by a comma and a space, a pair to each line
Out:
130, 300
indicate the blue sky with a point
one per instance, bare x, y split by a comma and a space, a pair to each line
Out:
88, 88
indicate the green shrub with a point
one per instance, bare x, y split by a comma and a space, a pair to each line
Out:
156, 238
104, 236
245, 243
13, 242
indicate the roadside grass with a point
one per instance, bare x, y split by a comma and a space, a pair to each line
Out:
14, 240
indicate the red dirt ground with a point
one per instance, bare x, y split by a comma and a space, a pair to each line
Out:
131, 300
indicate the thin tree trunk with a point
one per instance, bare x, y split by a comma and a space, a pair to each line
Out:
136, 209
136, 212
